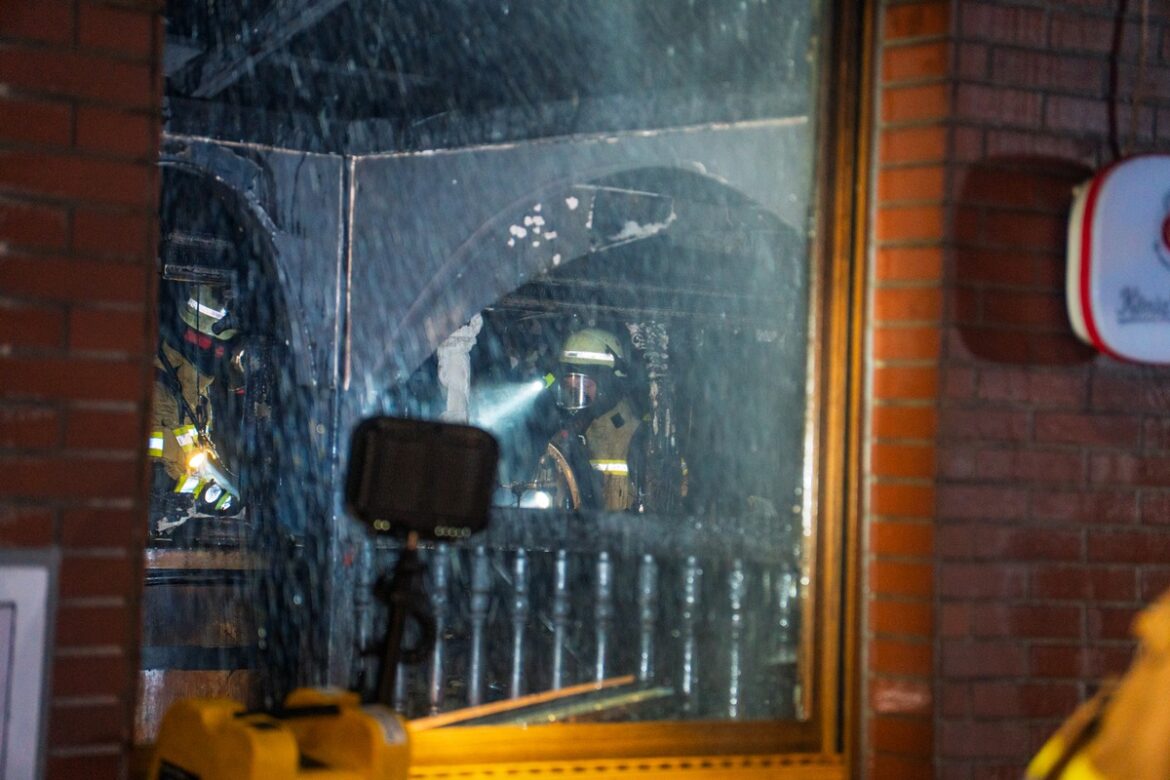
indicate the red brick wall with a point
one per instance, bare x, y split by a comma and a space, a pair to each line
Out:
1039, 471
79, 122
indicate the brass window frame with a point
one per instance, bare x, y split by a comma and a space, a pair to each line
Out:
823, 745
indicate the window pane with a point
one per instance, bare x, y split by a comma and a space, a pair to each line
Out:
585, 227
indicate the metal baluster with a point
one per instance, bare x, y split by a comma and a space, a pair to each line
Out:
560, 612
604, 615
736, 590
692, 581
519, 620
648, 614
788, 638
440, 603
481, 586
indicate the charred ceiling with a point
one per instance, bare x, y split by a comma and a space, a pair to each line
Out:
386, 75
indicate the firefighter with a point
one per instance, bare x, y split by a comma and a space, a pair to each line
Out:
588, 459
198, 329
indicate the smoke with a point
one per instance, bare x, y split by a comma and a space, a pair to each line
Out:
497, 407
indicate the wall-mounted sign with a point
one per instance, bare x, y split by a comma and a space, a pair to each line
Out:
27, 605
1118, 288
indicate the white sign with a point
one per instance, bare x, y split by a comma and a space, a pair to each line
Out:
26, 611
1118, 288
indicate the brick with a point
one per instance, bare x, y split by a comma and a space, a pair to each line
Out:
1028, 700
1003, 143
1077, 662
986, 425
955, 699
909, 223
900, 697
955, 620
31, 225
1155, 508
1128, 546
916, 183
30, 327
904, 422
63, 378
91, 527
121, 31
1083, 583
104, 429
120, 133
960, 383
901, 767
888, 656
79, 626
1002, 24
907, 304
67, 74
972, 62
1154, 583
993, 464
111, 233
25, 526
980, 266
1033, 69
1126, 469
901, 539
1077, 115
1026, 385
1022, 311
982, 502
983, 659
886, 459
901, 579
1024, 621
913, 145
61, 279
901, 500
969, 144
1024, 230
91, 576
1090, 430
1156, 434
901, 617
991, 580
915, 103
918, 61
902, 735
101, 766
46, 21
1129, 392
26, 426
1035, 185
984, 740
98, 181
35, 122
44, 476
108, 330
1081, 33
999, 105
88, 725
91, 675
1093, 507
916, 20
1111, 623
905, 343
906, 382
988, 542
906, 264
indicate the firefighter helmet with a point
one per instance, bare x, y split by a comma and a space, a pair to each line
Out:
591, 359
